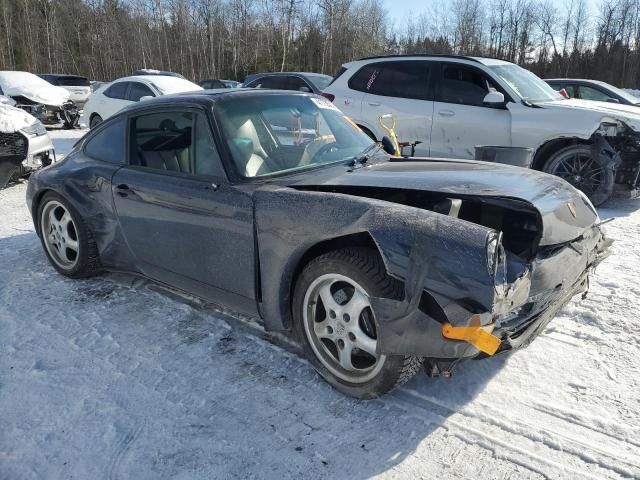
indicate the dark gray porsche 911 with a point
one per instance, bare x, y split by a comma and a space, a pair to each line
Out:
277, 206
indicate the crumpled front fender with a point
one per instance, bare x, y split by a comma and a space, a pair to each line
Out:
427, 251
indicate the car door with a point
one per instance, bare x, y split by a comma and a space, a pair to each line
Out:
460, 120
400, 88
185, 224
114, 98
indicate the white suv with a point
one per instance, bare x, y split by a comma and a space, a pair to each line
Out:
453, 104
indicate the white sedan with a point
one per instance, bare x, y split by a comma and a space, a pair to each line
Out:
111, 98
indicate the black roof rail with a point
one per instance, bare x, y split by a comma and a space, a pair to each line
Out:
437, 55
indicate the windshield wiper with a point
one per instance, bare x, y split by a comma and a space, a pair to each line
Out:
364, 156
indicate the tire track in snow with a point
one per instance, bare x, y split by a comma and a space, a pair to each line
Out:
541, 438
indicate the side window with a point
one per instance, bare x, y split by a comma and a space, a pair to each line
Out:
363, 78
588, 93
275, 82
296, 83
163, 141
571, 90
108, 144
402, 79
117, 90
463, 85
207, 159
138, 90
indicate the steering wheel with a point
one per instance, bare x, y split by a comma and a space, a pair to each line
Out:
329, 147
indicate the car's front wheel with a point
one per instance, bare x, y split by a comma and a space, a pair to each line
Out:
67, 241
577, 165
336, 323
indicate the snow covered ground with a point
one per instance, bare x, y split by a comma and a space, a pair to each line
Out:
114, 378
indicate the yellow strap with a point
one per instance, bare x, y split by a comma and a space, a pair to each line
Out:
479, 337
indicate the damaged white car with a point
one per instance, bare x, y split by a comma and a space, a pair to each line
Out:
469, 107
25, 145
50, 104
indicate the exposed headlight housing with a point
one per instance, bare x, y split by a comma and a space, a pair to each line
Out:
36, 129
497, 262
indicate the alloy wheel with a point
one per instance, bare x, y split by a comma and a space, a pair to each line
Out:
340, 326
60, 235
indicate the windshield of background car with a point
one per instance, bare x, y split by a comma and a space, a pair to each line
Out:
530, 87
320, 81
168, 85
621, 93
73, 82
280, 133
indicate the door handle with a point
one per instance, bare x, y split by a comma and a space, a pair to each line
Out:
374, 104
446, 113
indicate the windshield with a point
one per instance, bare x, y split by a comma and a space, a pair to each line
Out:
530, 87
280, 133
320, 81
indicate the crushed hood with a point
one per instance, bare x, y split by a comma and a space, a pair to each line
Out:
32, 87
14, 119
552, 197
628, 114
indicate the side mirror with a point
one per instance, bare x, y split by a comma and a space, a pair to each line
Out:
494, 99
613, 100
146, 97
388, 146
304, 89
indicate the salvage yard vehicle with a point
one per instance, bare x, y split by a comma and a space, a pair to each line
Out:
453, 104
25, 145
593, 90
112, 97
50, 104
79, 87
298, 81
276, 205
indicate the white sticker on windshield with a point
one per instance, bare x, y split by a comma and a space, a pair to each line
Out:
324, 103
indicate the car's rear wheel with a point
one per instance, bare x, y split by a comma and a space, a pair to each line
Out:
66, 239
95, 120
337, 325
577, 165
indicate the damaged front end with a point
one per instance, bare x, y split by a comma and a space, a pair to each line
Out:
620, 145
67, 113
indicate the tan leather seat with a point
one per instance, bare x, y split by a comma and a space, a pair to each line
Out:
253, 160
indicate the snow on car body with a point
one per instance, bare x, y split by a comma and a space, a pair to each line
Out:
454, 104
375, 262
50, 104
78, 87
112, 97
24, 144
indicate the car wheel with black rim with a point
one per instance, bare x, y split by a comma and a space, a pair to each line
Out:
591, 174
337, 326
67, 241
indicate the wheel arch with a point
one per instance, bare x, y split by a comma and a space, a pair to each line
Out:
35, 207
547, 149
360, 239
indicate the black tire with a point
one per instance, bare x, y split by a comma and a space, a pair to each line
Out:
577, 165
95, 120
363, 266
7, 171
87, 263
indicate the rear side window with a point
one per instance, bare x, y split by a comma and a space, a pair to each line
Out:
463, 85
403, 79
139, 90
108, 144
275, 82
296, 83
117, 90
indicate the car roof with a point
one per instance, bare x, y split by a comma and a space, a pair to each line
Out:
483, 60
62, 75
209, 97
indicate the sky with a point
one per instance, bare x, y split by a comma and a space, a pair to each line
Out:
399, 10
